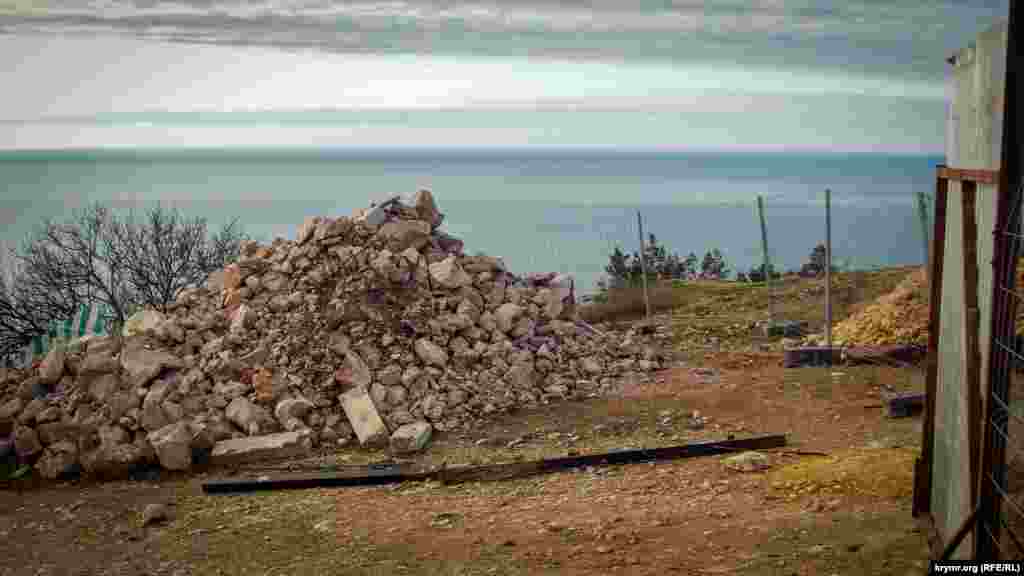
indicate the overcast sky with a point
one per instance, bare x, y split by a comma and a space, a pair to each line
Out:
772, 75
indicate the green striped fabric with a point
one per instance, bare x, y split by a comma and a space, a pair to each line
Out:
90, 320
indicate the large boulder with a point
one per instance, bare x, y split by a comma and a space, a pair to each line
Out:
404, 234
506, 315
153, 415
97, 363
142, 364
449, 274
247, 416
114, 460
173, 446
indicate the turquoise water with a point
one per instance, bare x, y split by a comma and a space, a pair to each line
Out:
542, 210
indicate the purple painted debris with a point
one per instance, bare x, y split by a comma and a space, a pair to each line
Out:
407, 328
540, 279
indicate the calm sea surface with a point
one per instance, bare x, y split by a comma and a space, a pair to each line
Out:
540, 210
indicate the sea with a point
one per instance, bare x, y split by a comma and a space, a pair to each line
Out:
541, 210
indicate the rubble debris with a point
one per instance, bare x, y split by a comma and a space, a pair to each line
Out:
899, 317
384, 303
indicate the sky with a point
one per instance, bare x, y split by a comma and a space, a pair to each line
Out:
857, 76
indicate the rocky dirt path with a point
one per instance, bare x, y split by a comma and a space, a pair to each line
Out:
848, 512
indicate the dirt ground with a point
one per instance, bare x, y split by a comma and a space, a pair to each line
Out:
836, 500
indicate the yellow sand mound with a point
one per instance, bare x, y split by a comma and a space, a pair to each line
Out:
876, 472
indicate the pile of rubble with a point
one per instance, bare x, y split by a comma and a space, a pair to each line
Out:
899, 317
371, 327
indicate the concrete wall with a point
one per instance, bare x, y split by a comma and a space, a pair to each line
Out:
973, 140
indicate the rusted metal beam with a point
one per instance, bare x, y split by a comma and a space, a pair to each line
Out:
394, 474
965, 527
976, 175
922, 500
971, 320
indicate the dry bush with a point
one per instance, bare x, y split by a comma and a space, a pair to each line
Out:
628, 303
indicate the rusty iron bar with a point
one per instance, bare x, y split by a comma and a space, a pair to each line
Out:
972, 381
965, 527
977, 176
380, 474
923, 484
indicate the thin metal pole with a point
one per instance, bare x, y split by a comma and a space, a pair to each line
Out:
767, 265
922, 213
828, 271
643, 265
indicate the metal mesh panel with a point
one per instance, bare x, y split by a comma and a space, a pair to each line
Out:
1000, 524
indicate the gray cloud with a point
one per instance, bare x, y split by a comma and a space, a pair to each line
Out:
869, 37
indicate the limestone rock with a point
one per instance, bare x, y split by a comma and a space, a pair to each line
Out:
431, 353
247, 416
363, 416
153, 415
257, 448
173, 446
114, 461
449, 274
506, 315
401, 235
289, 408
411, 437
747, 462
142, 365
242, 319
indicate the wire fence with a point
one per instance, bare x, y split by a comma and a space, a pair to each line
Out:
999, 532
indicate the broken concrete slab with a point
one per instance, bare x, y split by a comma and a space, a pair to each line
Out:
364, 417
411, 437
256, 448
142, 365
